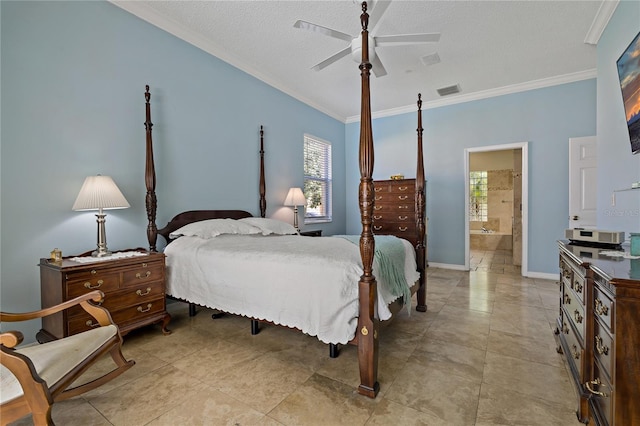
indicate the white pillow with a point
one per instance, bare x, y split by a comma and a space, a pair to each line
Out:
270, 226
213, 227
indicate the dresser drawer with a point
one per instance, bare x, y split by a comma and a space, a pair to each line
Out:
575, 349
602, 393
132, 313
574, 311
602, 348
79, 284
145, 273
578, 285
392, 215
603, 308
397, 229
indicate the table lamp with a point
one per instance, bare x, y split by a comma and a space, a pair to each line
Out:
295, 198
100, 193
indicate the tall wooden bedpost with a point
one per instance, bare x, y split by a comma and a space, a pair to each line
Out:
150, 178
367, 332
263, 186
421, 254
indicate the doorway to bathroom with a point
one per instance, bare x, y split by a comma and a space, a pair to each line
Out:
496, 208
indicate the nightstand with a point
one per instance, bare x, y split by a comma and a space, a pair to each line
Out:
133, 284
316, 233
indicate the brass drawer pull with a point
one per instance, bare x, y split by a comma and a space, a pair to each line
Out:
378, 198
565, 329
377, 228
600, 308
377, 207
403, 207
596, 382
144, 264
578, 287
402, 197
377, 189
98, 284
140, 309
146, 275
402, 228
93, 272
91, 324
577, 316
574, 352
602, 349
567, 299
140, 293
403, 217
403, 188
377, 217
566, 273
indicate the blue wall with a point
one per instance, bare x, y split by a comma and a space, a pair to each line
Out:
73, 78
617, 168
546, 118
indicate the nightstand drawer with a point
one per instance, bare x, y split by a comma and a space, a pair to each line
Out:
121, 317
127, 297
92, 281
145, 273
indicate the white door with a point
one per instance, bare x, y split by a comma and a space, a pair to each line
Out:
583, 167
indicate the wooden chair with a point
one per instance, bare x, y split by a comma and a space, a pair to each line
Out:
34, 377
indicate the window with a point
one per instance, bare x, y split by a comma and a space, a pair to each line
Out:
317, 180
478, 196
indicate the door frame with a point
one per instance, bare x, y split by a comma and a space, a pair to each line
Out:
524, 268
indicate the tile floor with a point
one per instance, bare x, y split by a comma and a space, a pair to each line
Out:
483, 354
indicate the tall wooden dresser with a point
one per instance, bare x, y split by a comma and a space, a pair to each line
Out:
598, 330
134, 289
394, 211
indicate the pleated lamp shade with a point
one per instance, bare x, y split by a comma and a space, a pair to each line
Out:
100, 192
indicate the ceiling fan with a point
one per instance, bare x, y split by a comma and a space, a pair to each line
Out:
355, 43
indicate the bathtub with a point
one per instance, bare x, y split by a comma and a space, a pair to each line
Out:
479, 240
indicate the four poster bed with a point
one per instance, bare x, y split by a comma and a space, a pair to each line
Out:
331, 307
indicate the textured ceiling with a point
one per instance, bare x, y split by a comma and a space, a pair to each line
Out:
487, 47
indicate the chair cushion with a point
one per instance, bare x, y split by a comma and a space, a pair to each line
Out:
53, 360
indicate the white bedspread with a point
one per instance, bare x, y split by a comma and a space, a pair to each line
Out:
310, 283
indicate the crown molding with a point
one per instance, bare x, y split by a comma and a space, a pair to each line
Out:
600, 21
485, 94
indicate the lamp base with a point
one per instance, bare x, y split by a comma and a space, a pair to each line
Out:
101, 253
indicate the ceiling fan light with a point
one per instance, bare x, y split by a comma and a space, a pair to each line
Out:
356, 49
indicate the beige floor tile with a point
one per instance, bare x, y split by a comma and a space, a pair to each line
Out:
142, 400
72, 412
524, 376
456, 359
504, 407
450, 398
527, 348
207, 406
323, 401
391, 413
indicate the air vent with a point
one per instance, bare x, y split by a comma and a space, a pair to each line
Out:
450, 90
431, 59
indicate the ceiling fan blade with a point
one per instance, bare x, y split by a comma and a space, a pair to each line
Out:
407, 39
377, 67
322, 30
375, 17
344, 52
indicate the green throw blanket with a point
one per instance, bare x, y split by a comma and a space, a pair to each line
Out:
389, 254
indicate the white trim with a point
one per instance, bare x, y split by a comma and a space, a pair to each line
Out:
446, 266
600, 21
525, 198
149, 15
485, 94
543, 276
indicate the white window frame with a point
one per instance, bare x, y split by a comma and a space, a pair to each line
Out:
311, 214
